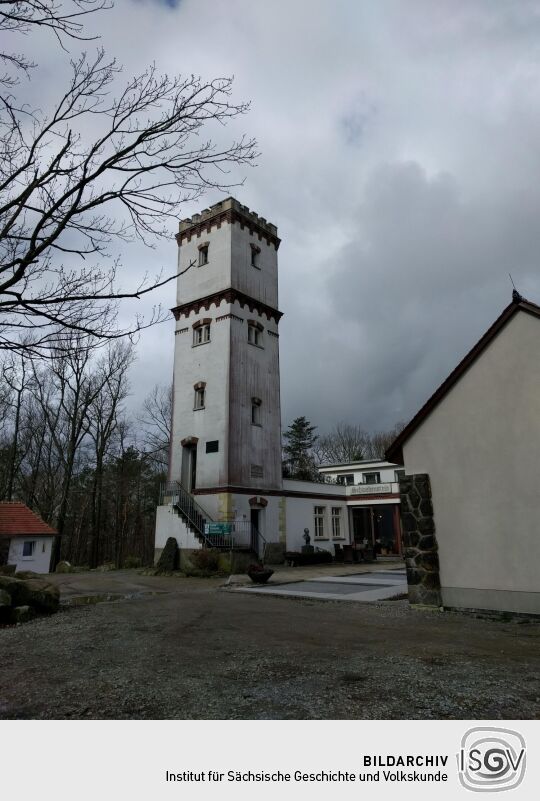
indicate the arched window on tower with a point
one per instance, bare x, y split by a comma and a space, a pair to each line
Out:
201, 332
200, 395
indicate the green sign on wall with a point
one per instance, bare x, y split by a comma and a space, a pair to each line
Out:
217, 528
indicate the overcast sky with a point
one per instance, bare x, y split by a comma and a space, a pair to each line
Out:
400, 161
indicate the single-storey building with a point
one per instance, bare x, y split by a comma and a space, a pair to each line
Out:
25, 540
470, 497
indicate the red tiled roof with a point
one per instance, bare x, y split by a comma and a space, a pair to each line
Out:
17, 520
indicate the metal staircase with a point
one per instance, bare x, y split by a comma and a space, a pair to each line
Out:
238, 535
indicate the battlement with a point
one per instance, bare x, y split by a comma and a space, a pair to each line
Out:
230, 205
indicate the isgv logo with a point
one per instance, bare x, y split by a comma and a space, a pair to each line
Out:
491, 759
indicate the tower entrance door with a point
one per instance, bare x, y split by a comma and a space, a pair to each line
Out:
189, 466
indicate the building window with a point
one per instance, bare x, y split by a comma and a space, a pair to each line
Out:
201, 333
336, 522
398, 473
203, 254
255, 254
29, 548
212, 446
319, 522
256, 411
255, 333
346, 479
372, 478
200, 395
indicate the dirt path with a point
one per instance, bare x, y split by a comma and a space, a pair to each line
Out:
195, 651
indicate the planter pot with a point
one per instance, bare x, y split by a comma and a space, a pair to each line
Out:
260, 576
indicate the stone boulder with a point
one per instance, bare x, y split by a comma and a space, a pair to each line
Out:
37, 593
5, 606
27, 574
16, 589
22, 614
44, 597
64, 567
168, 561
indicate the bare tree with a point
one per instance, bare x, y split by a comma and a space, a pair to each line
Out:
104, 411
104, 166
345, 443
156, 422
381, 441
64, 20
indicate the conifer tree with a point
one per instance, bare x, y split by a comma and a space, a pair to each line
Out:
298, 458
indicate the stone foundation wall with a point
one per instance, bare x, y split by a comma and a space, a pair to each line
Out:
419, 540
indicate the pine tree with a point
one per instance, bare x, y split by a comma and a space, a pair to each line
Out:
298, 461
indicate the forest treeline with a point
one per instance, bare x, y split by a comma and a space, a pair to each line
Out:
71, 451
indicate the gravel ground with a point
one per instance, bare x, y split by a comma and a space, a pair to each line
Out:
184, 648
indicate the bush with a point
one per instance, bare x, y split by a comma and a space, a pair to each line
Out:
206, 561
131, 562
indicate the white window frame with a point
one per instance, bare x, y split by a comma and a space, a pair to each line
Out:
319, 513
342, 479
377, 474
200, 398
201, 334
203, 255
336, 523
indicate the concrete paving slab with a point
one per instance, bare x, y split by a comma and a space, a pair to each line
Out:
360, 587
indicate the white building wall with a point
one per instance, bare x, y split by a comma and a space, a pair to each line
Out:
169, 524
300, 513
386, 470
40, 562
259, 282
480, 448
209, 363
254, 372
201, 281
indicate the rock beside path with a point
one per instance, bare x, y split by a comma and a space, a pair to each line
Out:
23, 598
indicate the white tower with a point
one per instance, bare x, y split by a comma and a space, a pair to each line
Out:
226, 433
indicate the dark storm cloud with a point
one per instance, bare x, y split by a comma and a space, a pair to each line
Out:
400, 159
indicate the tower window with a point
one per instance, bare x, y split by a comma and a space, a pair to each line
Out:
255, 330
203, 254
200, 395
255, 253
256, 411
201, 332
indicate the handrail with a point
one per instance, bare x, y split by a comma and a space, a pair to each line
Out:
241, 533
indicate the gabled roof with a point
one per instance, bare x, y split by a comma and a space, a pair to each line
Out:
17, 520
395, 451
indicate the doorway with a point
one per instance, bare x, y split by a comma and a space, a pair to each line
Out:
362, 525
189, 467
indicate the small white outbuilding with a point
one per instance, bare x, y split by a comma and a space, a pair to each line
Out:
25, 540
